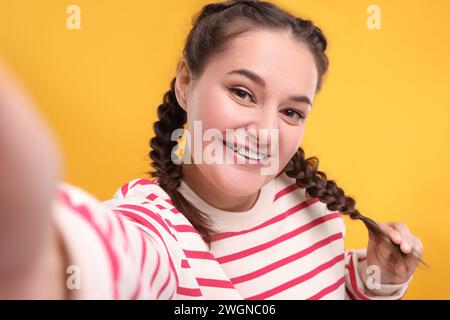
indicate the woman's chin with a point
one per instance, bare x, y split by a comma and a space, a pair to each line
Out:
237, 179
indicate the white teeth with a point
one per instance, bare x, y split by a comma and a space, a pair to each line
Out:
231, 146
249, 154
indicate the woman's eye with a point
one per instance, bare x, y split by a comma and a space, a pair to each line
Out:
241, 93
292, 113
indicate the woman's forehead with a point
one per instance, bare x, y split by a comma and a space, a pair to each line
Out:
275, 56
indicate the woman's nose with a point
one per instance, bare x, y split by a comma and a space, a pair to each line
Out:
264, 129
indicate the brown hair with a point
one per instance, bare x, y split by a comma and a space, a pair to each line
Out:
212, 30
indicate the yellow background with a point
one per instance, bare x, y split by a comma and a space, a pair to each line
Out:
380, 126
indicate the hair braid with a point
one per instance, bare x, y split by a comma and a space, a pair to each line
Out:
171, 117
317, 185
166, 172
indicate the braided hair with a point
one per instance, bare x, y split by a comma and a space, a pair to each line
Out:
213, 27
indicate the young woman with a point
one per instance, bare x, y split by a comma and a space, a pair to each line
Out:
202, 229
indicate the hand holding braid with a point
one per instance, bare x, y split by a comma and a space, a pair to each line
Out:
391, 246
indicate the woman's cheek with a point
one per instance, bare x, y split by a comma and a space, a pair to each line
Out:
218, 111
289, 142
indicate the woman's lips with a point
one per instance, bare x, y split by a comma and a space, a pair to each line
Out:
237, 146
246, 161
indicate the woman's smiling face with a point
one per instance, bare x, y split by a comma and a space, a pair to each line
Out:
264, 82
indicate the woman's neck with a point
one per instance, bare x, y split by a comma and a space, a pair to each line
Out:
198, 183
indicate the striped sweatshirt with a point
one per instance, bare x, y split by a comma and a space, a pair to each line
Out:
137, 245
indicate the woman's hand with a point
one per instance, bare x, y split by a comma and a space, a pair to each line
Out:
30, 169
409, 244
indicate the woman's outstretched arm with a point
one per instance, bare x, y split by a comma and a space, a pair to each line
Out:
56, 240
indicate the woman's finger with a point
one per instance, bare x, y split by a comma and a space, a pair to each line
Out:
406, 243
418, 246
401, 227
393, 234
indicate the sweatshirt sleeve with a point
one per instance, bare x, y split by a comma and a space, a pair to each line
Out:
356, 280
110, 254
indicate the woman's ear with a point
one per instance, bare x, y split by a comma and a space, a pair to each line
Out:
182, 83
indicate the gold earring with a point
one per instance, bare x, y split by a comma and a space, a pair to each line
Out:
181, 144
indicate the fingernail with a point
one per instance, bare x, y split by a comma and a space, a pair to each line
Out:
407, 247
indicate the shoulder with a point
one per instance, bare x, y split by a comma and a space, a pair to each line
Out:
74, 196
146, 198
141, 187
145, 191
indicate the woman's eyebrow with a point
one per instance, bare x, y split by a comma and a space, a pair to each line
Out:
260, 81
251, 75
